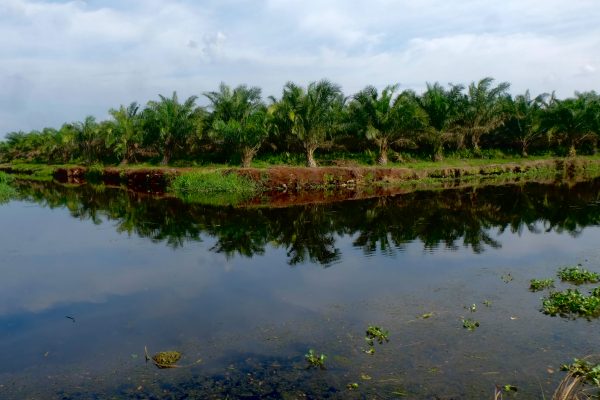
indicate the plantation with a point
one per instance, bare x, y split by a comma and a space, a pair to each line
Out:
320, 124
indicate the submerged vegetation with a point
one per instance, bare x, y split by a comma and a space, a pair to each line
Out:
318, 123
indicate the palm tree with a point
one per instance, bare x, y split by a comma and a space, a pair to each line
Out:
87, 134
524, 118
574, 120
441, 107
482, 111
311, 114
127, 133
239, 117
387, 119
174, 122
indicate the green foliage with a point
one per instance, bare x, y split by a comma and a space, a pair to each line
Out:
213, 182
578, 275
571, 302
376, 333
586, 370
311, 115
5, 178
314, 360
174, 122
480, 120
470, 324
239, 117
535, 285
6, 191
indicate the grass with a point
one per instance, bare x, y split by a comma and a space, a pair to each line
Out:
214, 187
6, 191
578, 275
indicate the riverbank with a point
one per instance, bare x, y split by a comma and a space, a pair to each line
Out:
300, 185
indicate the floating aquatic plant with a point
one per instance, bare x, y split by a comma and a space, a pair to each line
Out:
314, 360
470, 324
572, 301
578, 275
535, 285
164, 359
376, 333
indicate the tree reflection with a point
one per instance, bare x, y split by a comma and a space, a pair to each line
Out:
473, 218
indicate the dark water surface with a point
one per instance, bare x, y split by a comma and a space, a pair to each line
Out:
249, 291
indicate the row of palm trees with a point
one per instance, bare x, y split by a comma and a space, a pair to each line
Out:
238, 121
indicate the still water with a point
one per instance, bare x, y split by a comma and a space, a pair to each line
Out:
245, 293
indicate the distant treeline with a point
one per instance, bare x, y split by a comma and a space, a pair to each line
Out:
239, 123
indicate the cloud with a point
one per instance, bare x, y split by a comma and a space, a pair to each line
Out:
62, 60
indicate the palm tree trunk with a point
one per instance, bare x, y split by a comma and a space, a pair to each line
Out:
383, 152
167, 153
572, 151
247, 156
310, 156
524, 146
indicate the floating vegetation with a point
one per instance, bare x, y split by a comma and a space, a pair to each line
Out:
587, 371
535, 285
426, 315
314, 360
578, 275
375, 333
470, 324
487, 303
508, 389
472, 307
352, 386
507, 278
572, 302
164, 359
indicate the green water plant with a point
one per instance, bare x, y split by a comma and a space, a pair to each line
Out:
164, 359
572, 302
588, 372
314, 360
470, 324
535, 285
376, 333
578, 275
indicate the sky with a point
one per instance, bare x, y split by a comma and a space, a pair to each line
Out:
63, 60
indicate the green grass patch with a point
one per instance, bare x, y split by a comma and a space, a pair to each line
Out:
214, 187
535, 285
6, 191
578, 275
572, 302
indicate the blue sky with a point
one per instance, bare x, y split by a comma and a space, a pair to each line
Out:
63, 60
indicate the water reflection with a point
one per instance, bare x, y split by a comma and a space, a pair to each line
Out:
448, 218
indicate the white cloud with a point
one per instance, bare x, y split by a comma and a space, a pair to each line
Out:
62, 60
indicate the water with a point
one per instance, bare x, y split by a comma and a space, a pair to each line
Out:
244, 293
